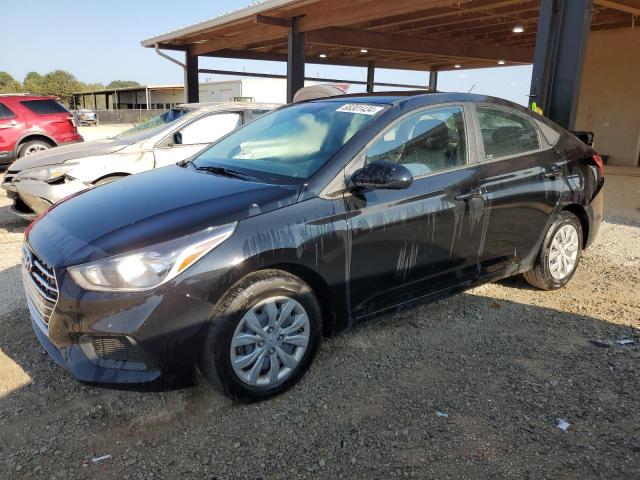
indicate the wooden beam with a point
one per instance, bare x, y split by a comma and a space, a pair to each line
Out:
344, 37
235, 73
278, 22
618, 6
346, 62
258, 33
454, 11
347, 13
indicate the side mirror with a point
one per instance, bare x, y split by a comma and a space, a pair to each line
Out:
382, 174
177, 138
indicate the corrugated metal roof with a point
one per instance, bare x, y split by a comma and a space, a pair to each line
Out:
228, 17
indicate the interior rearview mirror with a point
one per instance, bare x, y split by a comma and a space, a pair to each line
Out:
382, 174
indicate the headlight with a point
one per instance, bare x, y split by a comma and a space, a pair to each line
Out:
149, 267
46, 174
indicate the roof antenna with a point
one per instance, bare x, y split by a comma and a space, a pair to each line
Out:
472, 87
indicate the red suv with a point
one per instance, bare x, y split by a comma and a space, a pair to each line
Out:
31, 123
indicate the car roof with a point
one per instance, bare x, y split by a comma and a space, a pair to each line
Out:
19, 97
420, 98
228, 106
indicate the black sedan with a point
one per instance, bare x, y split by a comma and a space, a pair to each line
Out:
297, 225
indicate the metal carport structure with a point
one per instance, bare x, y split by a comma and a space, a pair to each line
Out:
425, 35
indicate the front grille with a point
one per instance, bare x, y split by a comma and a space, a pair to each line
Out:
118, 349
10, 175
39, 283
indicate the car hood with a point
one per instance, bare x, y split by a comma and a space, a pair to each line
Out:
146, 209
55, 156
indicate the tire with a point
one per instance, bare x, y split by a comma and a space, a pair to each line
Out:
229, 321
33, 146
112, 178
543, 275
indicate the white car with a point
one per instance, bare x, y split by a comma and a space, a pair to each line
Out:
38, 181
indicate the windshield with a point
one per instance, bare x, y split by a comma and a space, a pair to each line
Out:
292, 142
167, 117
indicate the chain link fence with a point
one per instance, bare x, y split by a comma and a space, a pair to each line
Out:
134, 116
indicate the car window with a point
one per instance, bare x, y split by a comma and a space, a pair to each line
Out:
505, 133
210, 128
292, 142
44, 107
5, 112
425, 142
157, 121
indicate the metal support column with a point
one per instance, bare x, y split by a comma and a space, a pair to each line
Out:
561, 42
433, 80
191, 83
95, 102
148, 95
371, 76
295, 60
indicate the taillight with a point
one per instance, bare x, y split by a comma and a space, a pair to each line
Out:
72, 120
599, 163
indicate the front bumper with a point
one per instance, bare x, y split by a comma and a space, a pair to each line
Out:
33, 197
6, 157
155, 333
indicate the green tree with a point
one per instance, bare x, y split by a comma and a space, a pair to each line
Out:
123, 84
8, 84
33, 82
62, 84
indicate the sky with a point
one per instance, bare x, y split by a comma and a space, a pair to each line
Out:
99, 41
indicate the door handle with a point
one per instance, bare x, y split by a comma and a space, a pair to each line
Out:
473, 193
552, 172
9, 124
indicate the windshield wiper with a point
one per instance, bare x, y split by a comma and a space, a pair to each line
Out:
223, 171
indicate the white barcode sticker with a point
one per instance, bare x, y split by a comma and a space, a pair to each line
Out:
362, 108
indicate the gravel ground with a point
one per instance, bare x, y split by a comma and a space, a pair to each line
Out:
504, 362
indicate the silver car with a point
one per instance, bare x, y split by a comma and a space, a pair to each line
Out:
38, 181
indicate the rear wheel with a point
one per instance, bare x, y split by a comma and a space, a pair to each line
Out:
33, 146
262, 337
559, 255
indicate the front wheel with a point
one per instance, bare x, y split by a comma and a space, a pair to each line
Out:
263, 336
559, 255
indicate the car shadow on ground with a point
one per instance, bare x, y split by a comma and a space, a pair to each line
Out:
10, 222
500, 373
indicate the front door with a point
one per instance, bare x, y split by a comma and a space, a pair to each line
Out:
524, 181
405, 244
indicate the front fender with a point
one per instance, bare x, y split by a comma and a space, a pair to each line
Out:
309, 236
90, 169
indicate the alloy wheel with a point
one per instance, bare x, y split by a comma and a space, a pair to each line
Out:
34, 149
270, 341
563, 254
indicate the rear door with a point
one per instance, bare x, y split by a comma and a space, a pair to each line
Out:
424, 239
51, 117
524, 180
10, 131
195, 137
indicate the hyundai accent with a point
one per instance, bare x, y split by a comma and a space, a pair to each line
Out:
295, 226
